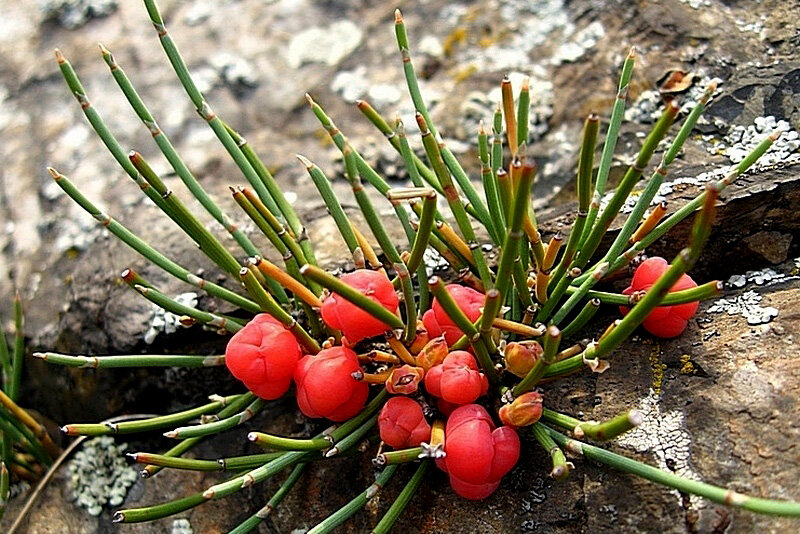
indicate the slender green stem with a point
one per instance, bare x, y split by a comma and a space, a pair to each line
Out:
610, 144
218, 426
5, 361
132, 360
489, 181
171, 154
561, 466
344, 513
401, 456
158, 511
424, 231
38, 430
254, 520
523, 108
276, 193
399, 505
602, 431
697, 202
452, 196
353, 438
716, 494
155, 423
511, 248
702, 292
148, 252
268, 441
625, 186
334, 207
204, 109
583, 317
584, 185
221, 323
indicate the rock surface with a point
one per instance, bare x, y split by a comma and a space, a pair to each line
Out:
728, 391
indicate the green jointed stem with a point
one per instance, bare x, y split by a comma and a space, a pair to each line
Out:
356, 421
172, 156
344, 513
489, 181
625, 186
148, 252
398, 506
268, 441
417, 170
5, 484
203, 108
352, 439
37, 429
583, 317
186, 444
685, 259
370, 215
323, 185
610, 142
453, 199
599, 272
561, 466
296, 226
257, 475
401, 456
253, 521
713, 493
105, 135
479, 209
156, 423
218, 426
523, 108
690, 207
132, 360
518, 211
188, 464
701, 292
16, 431
171, 305
424, 231
653, 185
602, 431
151, 513
364, 169
584, 179
353, 295
18, 349
5, 361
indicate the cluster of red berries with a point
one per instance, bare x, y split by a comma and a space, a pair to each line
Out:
267, 357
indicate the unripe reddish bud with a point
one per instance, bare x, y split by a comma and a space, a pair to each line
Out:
457, 379
521, 356
663, 321
402, 423
525, 410
438, 323
478, 454
263, 355
404, 380
421, 339
355, 323
433, 353
326, 387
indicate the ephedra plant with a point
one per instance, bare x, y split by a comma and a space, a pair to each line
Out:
447, 372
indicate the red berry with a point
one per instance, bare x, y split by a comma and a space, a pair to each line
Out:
402, 423
438, 323
457, 379
326, 387
355, 323
663, 321
263, 355
478, 454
